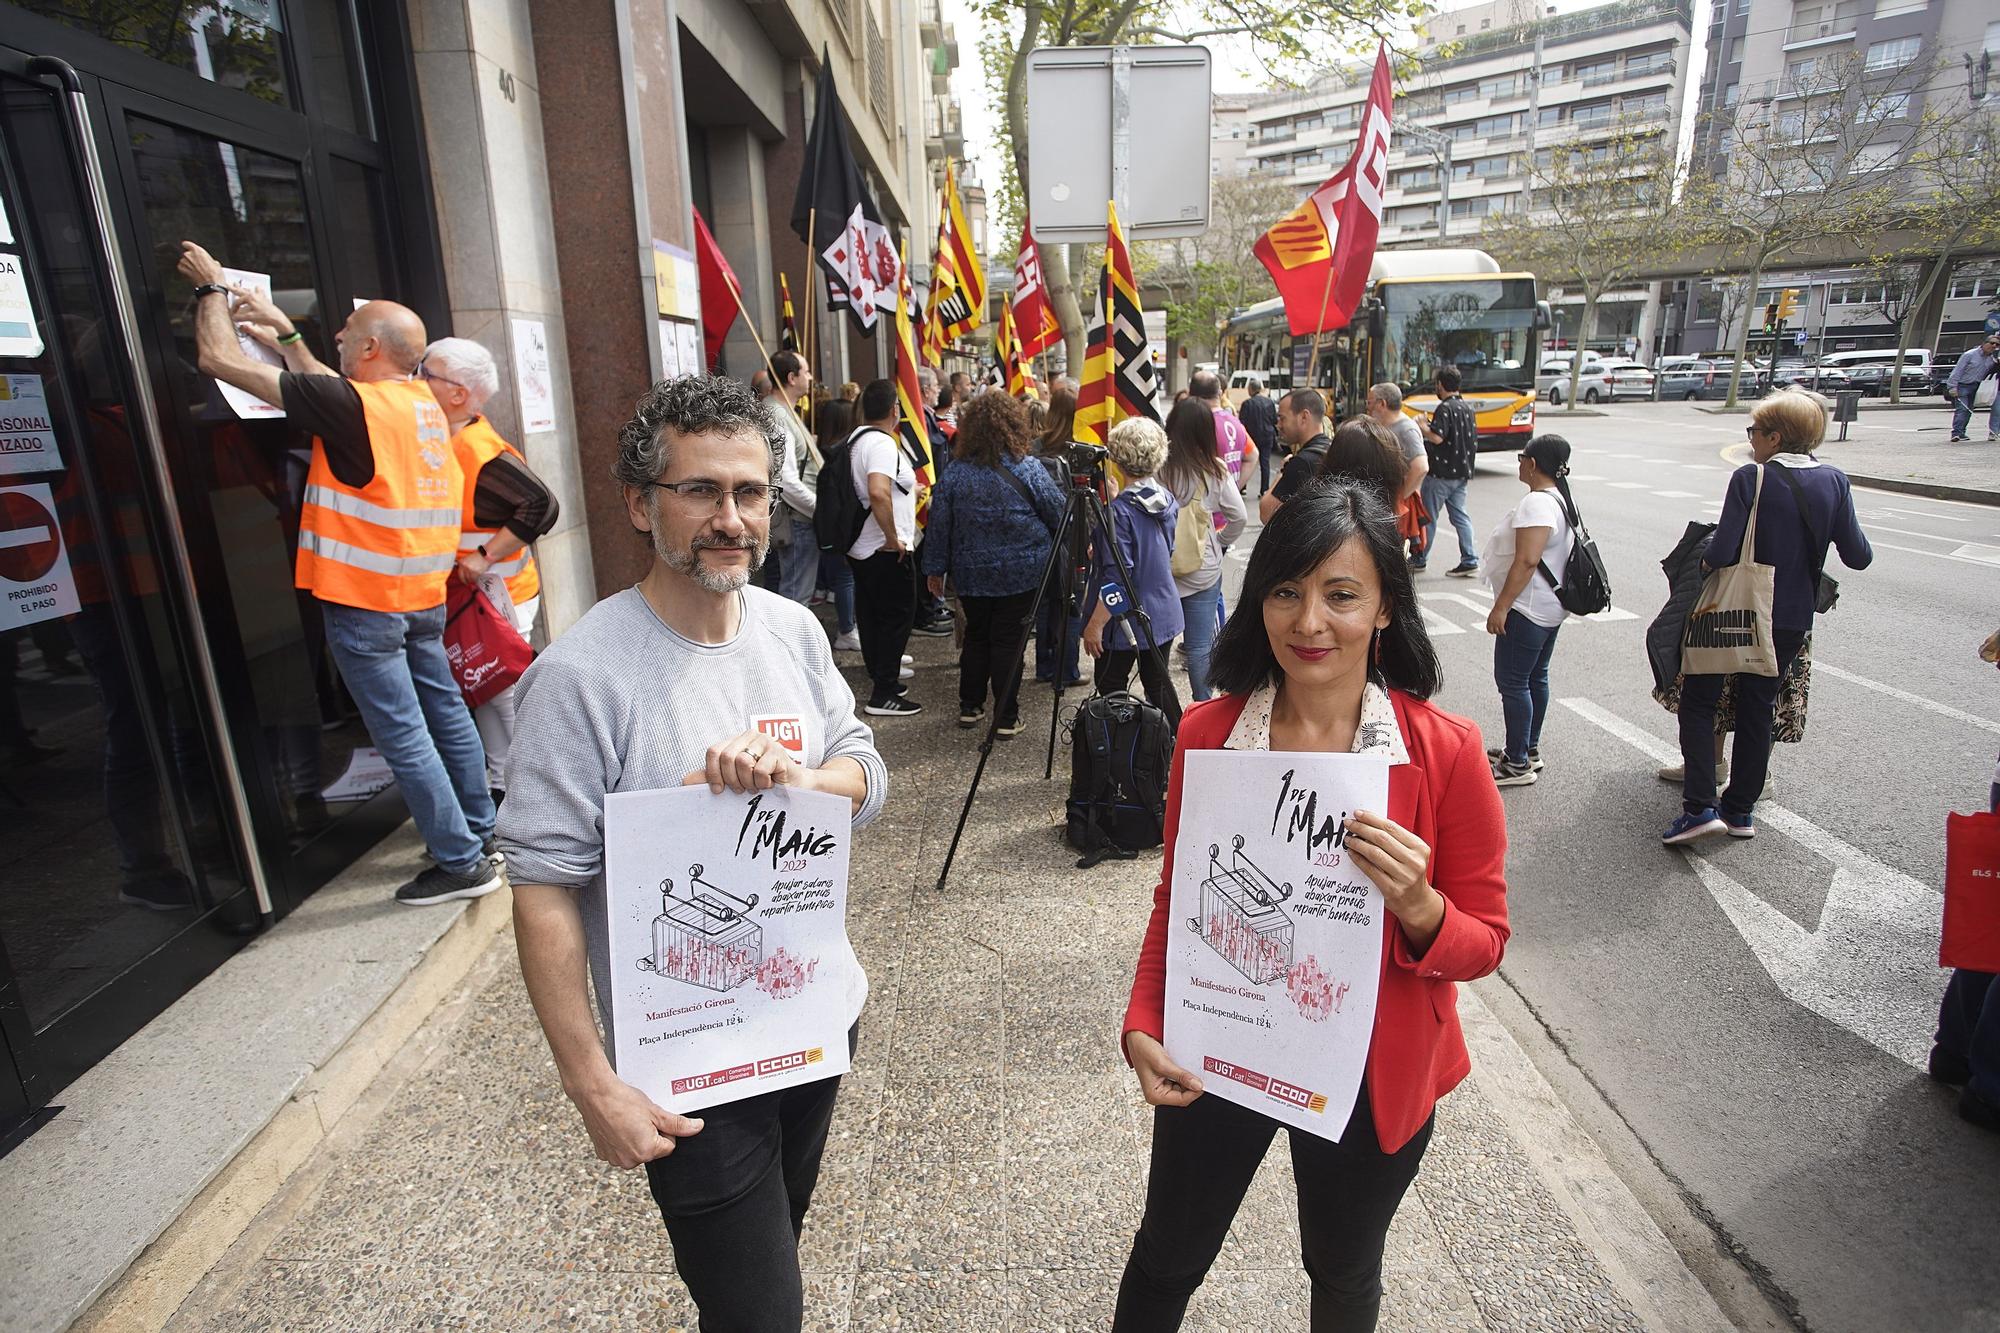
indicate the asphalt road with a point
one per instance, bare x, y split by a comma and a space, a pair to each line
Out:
1758, 1012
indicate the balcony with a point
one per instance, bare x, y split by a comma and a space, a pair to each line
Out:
1802, 36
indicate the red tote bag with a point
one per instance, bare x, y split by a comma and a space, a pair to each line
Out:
1971, 893
486, 652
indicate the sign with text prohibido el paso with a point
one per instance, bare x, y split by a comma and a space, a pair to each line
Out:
1274, 934
35, 579
731, 972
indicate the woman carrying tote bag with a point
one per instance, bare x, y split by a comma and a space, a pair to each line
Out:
1768, 555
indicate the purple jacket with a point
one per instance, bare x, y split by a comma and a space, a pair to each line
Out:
1142, 522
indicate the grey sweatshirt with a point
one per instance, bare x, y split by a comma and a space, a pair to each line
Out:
623, 703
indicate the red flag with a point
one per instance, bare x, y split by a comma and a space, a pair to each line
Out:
718, 289
1035, 325
1319, 253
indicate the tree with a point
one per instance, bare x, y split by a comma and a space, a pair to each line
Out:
1210, 276
1809, 161
1605, 212
1285, 38
1956, 163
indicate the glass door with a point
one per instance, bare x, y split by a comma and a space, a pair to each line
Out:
120, 852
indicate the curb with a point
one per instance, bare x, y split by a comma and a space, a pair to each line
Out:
1934, 490
1618, 1230
147, 1295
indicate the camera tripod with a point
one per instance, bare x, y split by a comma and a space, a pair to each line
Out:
1084, 519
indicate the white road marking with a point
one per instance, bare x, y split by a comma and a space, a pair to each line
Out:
1627, 485
1870, 965
1985, 555
1937, 555
1932, 705
1584, 476
1919, 513
1436, 625
1701, 467
1482, 604
1678, 495
1908, 532
1885, 494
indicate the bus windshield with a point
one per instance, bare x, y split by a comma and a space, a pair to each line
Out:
1484, 326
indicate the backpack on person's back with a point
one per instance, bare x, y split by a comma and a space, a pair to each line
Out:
1586, 585
838, 513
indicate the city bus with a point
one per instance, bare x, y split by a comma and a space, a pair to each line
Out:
1423, 309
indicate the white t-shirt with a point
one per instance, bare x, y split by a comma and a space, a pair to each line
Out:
1538, 509
875, 451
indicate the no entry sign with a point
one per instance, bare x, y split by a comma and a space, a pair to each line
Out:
35, 579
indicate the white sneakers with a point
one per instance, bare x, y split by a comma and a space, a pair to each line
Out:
849, 642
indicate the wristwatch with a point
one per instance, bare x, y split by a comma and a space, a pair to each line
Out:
210, 289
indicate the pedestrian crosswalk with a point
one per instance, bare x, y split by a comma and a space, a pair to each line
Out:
1469, 608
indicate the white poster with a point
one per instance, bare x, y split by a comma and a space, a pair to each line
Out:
27, 436
533, 376
248, 405
18, 334
730, 967
35, 579
1274, 942
670, 351
694, 357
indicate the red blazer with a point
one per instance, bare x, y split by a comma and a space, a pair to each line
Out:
1445, 795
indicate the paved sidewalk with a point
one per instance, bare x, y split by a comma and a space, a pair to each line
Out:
987, 1164
1906, 450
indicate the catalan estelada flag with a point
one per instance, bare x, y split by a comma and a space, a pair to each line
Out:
958, 278
1319, 254
1008, 352
914, 438
1117, 380
788, 331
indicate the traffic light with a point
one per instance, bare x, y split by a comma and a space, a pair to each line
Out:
1771, 317
1788, 304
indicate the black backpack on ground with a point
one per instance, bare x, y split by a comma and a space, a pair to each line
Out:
838, 513
1120, 750
1586, 587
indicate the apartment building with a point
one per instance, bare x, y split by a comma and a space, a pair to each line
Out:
1759, 53
1499, 84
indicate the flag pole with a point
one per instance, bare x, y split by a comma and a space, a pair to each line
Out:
751, 325
812, 325
1319, 327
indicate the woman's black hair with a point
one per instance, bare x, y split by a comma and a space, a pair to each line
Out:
1308, 528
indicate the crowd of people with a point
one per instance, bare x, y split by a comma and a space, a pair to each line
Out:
967, 519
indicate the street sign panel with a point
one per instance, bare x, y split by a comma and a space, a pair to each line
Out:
1123, 123
1799, 338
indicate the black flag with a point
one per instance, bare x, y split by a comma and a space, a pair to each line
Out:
854, 248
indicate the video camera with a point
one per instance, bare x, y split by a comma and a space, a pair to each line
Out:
1086, 464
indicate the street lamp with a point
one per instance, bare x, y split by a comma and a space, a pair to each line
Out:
1438, 144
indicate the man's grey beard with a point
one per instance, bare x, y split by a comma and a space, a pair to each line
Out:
689, 561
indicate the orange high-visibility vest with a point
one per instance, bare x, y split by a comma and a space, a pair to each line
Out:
389, 545
477, 445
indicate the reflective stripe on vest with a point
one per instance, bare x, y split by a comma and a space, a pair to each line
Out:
395, 566
388, 545
355, 507
478, 444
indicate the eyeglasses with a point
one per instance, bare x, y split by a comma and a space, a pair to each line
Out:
752, 501
428, 375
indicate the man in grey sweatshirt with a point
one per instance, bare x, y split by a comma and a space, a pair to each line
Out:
690, 676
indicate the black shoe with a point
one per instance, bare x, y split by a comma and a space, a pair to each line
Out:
894, 706
1464, 570
167, 891
1014, 728
1975, 1109
971, 717
438, 885
1952, 1070
932, 629
1494, 756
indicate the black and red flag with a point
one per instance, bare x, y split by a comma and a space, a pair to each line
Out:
834, 214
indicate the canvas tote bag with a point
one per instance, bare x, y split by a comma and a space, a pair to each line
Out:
1729, 630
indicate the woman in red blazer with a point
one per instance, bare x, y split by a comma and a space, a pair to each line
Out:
1327, 651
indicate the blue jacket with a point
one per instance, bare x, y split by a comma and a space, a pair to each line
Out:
982, 532
1781, 534
1142, 523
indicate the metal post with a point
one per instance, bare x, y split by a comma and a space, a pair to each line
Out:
1534, 110
1121, 130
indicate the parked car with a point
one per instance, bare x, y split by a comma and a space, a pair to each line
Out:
1699, 378
1595, 386
1874, 381
1630, 379
1799, 375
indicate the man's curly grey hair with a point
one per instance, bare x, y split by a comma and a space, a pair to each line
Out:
691, 405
